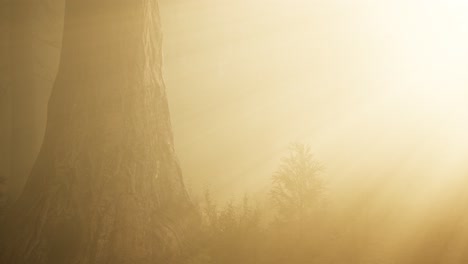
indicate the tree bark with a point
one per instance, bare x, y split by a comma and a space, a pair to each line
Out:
24, 142
35, 33
5, 102
106, 187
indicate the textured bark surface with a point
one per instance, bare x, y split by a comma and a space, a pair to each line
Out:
5, 101
23, 95
106, 187
35, 35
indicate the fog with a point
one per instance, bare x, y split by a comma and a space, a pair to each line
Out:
378, 89
326, 131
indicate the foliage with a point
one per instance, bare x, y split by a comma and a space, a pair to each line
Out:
297, 185
230, 234
244, 233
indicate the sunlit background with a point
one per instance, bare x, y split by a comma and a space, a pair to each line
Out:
379, 89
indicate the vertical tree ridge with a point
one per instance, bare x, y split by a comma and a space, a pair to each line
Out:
106, 187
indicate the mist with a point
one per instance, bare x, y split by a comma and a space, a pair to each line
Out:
361, 106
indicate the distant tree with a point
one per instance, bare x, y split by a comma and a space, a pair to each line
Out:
297, 185
210, 210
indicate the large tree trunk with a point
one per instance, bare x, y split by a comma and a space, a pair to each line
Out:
24, 141
106, 187
5, 102
35, 34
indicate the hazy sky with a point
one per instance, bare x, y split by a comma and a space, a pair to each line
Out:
378, 88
